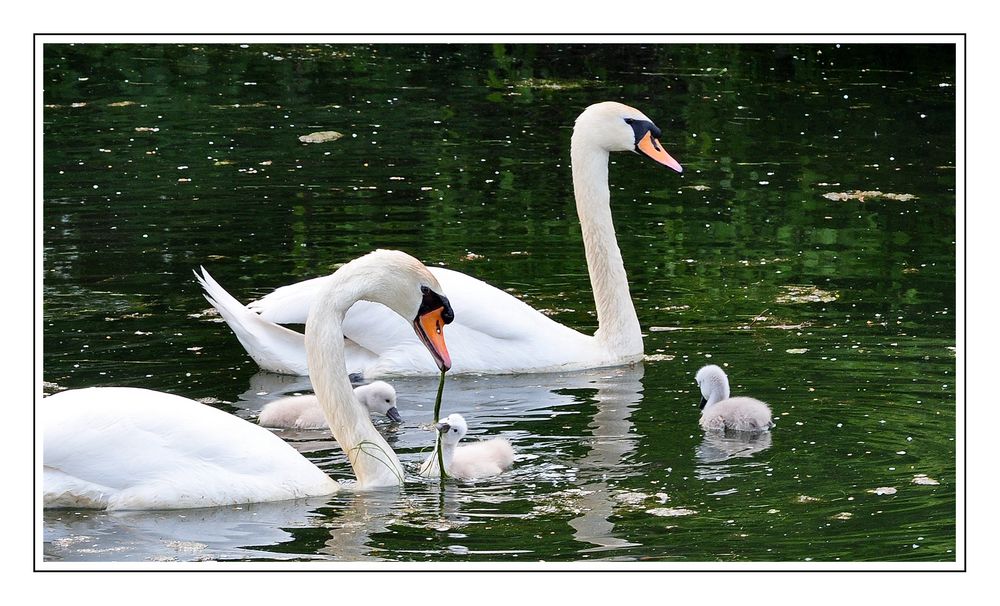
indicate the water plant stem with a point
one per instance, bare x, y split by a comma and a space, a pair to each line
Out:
437, 419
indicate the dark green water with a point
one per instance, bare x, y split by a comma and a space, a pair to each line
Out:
838, 312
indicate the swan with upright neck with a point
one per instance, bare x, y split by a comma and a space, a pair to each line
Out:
495, 332
132, 448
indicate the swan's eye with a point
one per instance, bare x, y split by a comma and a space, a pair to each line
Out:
629, 120
387, 401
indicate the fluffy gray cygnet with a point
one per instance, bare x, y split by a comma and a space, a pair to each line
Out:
720, 412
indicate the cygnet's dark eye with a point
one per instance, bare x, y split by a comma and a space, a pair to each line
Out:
387, 400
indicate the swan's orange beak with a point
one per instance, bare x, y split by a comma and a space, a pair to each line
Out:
429, 326
652, 148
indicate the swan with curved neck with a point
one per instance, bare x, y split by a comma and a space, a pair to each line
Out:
394, 286
495, 332
131, 448
722, 412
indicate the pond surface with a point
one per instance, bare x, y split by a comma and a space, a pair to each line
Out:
808, 247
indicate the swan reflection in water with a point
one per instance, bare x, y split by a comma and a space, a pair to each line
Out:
618, 392
213, 533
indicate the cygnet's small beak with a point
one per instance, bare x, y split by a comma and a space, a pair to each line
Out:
393, 414
442, 427
703, 402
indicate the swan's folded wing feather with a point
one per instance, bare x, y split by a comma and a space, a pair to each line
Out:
493, 312
480, 303
290, 304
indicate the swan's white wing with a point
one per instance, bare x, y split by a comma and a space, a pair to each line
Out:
290, 304
130, 448
492, 332
483, 308
492, 312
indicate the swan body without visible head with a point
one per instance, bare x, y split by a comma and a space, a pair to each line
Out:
467, 461
129, 448
494, 332
721, 412
305, 412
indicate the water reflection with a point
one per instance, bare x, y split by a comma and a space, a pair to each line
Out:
360, 515
613, 440
179, 535
128, 211
717, 447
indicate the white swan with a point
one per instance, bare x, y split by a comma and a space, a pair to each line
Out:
720, 412
494, 332
129, 448
469, 461
305, 412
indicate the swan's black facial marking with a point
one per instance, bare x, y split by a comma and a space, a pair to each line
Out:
703, 402
432, 301
641, 127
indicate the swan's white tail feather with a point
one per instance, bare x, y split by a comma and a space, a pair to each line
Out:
273, 347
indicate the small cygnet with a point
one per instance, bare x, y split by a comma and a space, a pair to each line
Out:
304, 412
469, 461
720, 412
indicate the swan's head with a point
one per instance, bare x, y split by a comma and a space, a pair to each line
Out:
617, 127
379, 397
452, 429
404, 285
714, 384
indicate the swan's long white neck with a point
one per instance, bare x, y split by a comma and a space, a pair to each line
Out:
374, 461
617, 324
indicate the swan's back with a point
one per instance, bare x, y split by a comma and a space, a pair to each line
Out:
295, 412
482, 459
380, 343
130, 448
738, 414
